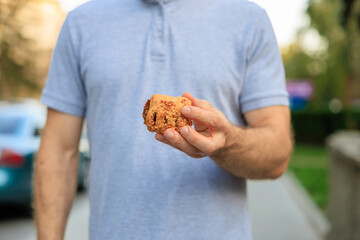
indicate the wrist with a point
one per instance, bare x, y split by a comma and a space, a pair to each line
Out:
231, 140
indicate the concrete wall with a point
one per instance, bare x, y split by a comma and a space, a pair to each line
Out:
344, 197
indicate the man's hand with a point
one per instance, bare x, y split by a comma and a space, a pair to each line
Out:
208, 137
259, 152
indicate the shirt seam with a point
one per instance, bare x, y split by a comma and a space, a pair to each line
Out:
260, 97
63, 101
264, 102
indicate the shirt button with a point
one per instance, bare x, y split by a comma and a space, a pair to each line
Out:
160, 34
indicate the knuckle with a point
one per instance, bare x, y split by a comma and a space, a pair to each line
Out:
214, 120
194, 112
179, 143
205, 103
196, 154
211, 148
192, 138
208, 105
176, 141
219, 121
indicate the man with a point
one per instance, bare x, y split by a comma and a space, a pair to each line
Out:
111, 56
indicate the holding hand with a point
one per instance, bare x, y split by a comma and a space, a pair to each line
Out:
210, 133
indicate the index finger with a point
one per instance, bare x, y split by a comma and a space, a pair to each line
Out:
206, 117
198, 102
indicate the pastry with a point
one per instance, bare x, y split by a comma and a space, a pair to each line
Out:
162, 112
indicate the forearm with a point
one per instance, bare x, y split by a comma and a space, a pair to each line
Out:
55, 187
255, 153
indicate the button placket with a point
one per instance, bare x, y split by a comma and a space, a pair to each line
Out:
158, 41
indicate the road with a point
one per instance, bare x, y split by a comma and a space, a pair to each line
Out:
16, 224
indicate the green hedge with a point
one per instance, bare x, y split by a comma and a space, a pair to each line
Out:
313, 126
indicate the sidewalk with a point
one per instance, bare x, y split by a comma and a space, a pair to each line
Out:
282, 210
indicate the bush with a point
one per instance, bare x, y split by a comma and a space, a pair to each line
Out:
310, 165
314, 125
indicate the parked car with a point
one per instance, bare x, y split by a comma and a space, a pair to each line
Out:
21, 125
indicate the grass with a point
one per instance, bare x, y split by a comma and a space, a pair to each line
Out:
309, 164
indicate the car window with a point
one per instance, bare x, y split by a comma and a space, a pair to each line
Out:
37, 132
10, 125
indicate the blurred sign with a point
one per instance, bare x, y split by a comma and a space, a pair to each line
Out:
300, 89
299, 92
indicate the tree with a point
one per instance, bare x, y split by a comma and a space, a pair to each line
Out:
325, 17
14, 51
332, 70
351, 23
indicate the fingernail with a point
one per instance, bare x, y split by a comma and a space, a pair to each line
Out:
169, 134
159, 137
186, 110
184, 131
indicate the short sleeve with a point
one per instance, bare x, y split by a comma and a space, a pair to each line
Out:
64, 90
264, 83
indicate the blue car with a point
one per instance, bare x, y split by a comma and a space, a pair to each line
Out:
21, 125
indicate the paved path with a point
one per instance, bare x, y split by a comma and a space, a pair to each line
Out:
281, 210
78, 224
19, 226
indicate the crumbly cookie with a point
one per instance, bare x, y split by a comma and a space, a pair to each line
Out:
162, 112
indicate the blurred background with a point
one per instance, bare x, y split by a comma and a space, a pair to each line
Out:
318, 197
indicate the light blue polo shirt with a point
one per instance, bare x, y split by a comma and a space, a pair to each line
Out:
111, 56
